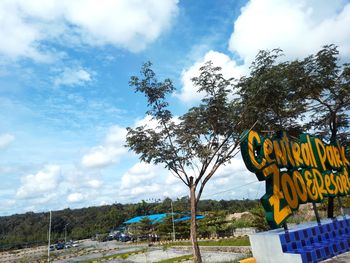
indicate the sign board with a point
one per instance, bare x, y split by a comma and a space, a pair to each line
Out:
296, 172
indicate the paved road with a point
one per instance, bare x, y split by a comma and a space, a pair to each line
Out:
93, 249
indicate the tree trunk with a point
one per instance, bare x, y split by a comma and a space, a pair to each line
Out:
196, 252
330, 208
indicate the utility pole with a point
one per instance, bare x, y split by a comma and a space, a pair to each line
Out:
48, 246
172, 217
65, 233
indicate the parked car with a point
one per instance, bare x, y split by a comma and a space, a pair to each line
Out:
124, 238
75, 244
52, 248
59, 246
68, 244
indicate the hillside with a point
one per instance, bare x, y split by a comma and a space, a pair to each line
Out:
22, 230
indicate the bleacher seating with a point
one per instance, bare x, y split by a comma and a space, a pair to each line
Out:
319, 242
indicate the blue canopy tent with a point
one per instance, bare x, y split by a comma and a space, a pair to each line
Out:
187, 218
155, 218
158, 218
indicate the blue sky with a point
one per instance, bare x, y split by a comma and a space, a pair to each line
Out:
65, 100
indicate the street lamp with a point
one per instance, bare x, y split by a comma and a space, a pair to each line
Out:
65, 233
172, 218
49, 239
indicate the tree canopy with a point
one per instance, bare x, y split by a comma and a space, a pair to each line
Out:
194, 145
304, 95
30, 229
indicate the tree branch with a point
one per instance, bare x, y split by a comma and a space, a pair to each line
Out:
209, 160
172, 145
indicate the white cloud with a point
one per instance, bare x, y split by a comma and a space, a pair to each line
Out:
5, 140
6, 205
75, 197
73, 77
94, 183
139, 174
229, 67
43, 182
27, 25
233, 181
146, 190
17, 37
109, 152
147, 121
44, 199
299, 27
53, 186
145, 181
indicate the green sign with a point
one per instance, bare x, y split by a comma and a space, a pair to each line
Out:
296, 172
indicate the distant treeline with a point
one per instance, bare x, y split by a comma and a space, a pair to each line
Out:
24, 230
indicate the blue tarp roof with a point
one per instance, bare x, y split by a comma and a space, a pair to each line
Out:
188, 218
157, 218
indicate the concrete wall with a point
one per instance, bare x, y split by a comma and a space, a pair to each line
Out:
266, 248
244, 231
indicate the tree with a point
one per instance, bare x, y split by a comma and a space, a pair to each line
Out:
198, 143
259, 219
328, 92
316, 87
144, 227
272, 93
165, 228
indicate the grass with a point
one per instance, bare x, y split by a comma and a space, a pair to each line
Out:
122, 256
239, 241
170, 260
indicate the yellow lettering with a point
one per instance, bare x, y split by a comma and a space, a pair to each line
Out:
268, 150
280, 153
311, 186
289, 191
321, 151
344, 183
340, 185
313, 160
319, 182
327, 181
287, 147
300, 186
254, 136
342, 154
334, 184
275, 199
296, 154
279, 214
295, 172
305, 153
337, 156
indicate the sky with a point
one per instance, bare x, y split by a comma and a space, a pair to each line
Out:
65, 101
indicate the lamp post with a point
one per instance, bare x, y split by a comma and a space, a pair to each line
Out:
172, 218
65, 233
49, 237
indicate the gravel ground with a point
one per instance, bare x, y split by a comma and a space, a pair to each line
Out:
343, 258
155, 255
102, 249
99, 249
